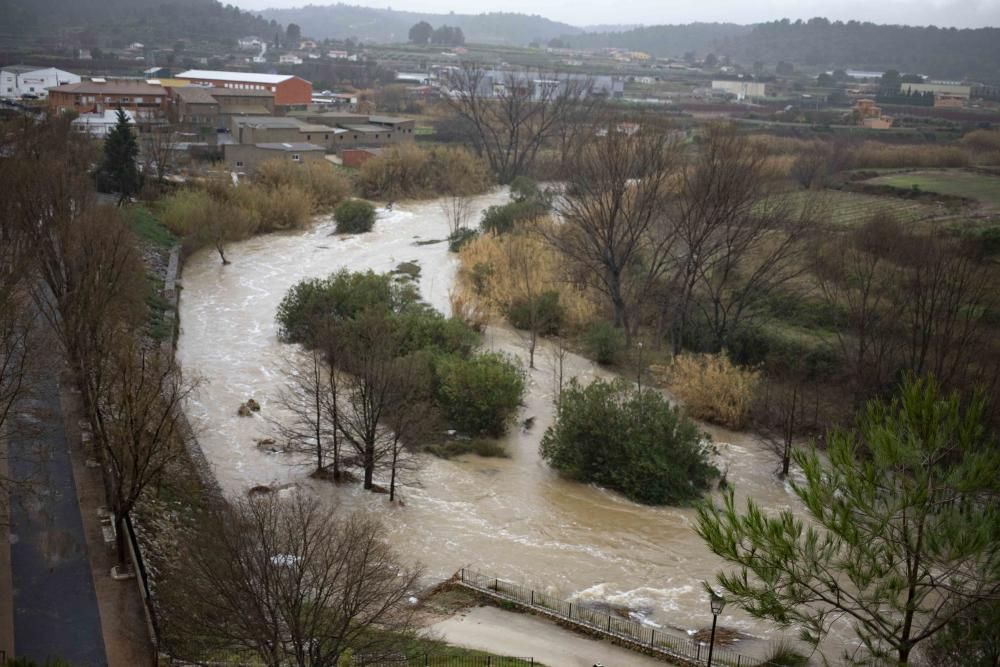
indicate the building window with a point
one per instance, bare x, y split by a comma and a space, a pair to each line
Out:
326, 136
308, 137
126, 100
239, 164
296, 157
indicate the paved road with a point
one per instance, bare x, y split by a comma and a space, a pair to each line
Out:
55, 607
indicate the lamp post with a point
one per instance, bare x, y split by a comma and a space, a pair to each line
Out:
718, 604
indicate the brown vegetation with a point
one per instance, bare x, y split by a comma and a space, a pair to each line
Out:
407, 171
711, 387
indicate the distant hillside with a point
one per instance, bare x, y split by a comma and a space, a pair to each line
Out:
152, 22
941, 53
665, 41
342, 21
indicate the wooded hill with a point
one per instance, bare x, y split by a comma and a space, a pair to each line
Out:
120, 22
342, 21
946, 53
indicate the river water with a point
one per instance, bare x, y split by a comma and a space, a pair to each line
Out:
513, 517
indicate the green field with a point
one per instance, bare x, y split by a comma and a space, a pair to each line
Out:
847, 209
981, 187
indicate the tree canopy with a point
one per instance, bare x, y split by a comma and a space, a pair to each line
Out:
904, 529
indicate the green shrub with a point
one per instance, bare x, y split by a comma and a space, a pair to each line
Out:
460, 237
426, 329
523, 188
341, 296
604, 342
501, 219
544, 312
479, 395
630, 440
354, 216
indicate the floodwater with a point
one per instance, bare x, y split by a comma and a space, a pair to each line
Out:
513, 517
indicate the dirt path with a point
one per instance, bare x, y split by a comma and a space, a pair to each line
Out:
523, 635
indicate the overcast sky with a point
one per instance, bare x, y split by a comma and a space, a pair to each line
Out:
957, 13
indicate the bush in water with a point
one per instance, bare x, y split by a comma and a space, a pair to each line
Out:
479, 395
604, 343
354, 216
630, 440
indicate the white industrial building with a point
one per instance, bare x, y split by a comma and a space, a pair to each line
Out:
741, 89
100, 123
25, 81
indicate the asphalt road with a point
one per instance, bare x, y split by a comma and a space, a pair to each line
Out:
55, 607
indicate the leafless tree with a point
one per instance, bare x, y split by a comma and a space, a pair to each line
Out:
613, 212
382, 406
139, 425
289, 581
523, 260
513, 114
309, 402
158, 151
856, 274
457, 209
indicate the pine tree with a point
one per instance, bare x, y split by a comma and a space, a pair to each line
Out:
904, 536
120, 166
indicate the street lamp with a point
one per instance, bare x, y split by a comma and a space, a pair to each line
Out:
718, 604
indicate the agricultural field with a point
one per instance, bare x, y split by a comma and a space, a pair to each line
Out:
982, 187
848, 209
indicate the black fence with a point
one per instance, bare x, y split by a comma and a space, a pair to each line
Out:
623, 629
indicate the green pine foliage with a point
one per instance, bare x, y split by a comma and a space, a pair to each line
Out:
903, 535
119, 169
630, 440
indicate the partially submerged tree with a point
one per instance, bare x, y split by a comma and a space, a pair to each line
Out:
905, 530
290, 582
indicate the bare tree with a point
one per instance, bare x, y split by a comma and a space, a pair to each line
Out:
291, 582
158, 151
309, 402
613, 212
382, 406
457, 209
513, 114
140, 426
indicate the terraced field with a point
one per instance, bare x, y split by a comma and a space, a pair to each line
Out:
851, 208
980, 187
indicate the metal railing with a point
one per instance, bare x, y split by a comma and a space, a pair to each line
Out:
444, 661
623, 629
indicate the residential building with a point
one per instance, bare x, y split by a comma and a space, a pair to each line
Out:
284, 129
19, 81
289, 59
250, 43
741, 88
246, 158
492, 83
99, 124
146, 100
869, 115
289, 91
200, 106
945, 101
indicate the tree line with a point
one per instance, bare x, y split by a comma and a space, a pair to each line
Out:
445, 35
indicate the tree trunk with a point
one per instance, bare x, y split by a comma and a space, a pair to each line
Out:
369, 465
222, 253
392, 478
120, 545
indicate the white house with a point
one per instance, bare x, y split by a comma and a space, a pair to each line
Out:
290, 59
742, 89
250, 43
17, 81
100, 123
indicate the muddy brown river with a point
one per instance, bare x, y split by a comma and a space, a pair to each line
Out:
512, 517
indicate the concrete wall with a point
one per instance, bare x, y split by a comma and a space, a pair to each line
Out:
250, 157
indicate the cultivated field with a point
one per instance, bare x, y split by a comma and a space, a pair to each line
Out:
847, 209
981, 187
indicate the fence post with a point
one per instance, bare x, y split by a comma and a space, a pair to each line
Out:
461, 575
426, 660
496, 585
699, 650
532, 597
570, 615
652, 636
609, 622
738, 659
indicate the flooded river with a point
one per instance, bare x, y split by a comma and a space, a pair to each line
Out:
513, 517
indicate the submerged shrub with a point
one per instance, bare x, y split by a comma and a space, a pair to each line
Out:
354, 216
629, 440
604, 342
712, 387
479, 396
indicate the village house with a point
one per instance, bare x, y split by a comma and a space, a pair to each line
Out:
245, 159
288, 90
25, 81
146, 100
289, 59
869, 115
199, 107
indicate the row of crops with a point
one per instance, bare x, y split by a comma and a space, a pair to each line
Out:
850, 208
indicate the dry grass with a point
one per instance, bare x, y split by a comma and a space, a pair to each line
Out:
326, 186
712, 387
875, 155
496, 271
406, 171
